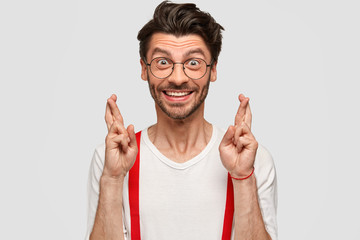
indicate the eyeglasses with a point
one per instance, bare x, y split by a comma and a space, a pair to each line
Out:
194, 68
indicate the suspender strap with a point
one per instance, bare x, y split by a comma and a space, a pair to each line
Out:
229, 210
134, 194
134, 200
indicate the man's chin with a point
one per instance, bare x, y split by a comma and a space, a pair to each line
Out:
178, 112
177, 115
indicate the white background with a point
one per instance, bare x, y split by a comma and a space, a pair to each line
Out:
298, 61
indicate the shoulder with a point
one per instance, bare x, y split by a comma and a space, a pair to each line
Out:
98, 158
264, 169
100, 150
263, 159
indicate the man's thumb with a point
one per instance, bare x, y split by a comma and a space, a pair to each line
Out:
131, 132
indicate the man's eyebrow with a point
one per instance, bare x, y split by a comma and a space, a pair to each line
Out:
159, 50
168, 54
197, 50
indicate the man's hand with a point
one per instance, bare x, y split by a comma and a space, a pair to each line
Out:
121, 148
238, 146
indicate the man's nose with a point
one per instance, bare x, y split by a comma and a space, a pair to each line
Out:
178, 75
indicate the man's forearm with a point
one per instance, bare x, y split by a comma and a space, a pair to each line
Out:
249, 224
108, 220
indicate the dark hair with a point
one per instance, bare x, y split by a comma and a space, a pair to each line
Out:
181, 20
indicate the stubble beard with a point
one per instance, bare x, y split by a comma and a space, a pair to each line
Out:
176, 110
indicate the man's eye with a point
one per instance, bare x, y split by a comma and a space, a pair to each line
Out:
163, 62
193, 62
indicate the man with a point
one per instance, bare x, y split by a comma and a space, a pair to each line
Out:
189, 179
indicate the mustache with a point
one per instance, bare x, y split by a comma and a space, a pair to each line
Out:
172, 86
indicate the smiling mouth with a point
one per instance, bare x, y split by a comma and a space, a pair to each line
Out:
177, 93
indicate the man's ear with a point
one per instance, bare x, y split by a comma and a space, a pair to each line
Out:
213, 70
144, 73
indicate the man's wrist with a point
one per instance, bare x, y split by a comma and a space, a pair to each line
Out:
111, 181
111, 190
248, 183
244, 177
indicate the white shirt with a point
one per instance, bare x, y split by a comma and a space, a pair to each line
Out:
184, 200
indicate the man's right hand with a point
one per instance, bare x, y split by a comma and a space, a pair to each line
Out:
120, 143
120, 154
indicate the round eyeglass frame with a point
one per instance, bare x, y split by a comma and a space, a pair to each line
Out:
173, 66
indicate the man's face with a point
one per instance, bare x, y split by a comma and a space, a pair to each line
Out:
177, 95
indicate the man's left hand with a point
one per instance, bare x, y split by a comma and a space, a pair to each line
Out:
238, 146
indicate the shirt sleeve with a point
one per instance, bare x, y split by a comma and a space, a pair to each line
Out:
267, 189
95, 172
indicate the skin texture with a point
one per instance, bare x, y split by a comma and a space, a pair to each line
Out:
181, 132
237, 152
179, 50
120, 154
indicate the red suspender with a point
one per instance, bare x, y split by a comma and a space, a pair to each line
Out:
134, 194
134, 200
229, 210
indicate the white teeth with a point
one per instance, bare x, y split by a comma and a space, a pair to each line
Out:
177, 94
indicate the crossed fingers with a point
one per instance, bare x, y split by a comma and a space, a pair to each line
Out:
112, 113
118, 135
243, 136
242, 133
244, 113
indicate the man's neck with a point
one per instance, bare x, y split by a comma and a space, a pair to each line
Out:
181, 140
